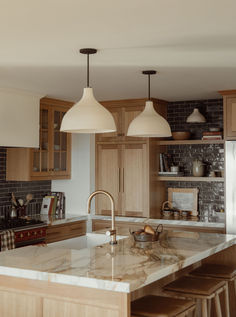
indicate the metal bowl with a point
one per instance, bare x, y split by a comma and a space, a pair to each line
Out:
140, 236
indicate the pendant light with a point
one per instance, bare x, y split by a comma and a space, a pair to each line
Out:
196, 117
88, 115
149, 123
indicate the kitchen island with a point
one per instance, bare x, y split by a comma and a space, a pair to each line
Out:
45, 281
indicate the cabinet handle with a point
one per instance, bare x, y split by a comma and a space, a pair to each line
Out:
119, 178
123, 180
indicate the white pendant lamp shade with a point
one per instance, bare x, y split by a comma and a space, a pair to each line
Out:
196, 117
88, 116
149, 124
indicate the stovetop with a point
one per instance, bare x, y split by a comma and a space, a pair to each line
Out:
12, 223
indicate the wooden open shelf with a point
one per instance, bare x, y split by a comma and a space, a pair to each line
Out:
179, 142
189, 179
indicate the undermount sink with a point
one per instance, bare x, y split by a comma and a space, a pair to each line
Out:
89, 240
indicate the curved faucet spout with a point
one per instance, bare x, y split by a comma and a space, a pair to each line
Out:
112, 232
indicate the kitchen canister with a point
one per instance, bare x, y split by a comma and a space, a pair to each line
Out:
198, 168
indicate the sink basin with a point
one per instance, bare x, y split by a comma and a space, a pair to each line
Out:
89, 240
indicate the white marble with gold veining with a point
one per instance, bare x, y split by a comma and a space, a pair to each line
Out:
71, 218
124, 267
173, 222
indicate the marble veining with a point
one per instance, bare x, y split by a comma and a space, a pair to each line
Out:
124, 267
164, 221
71, 218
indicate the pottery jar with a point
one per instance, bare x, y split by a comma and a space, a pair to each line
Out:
198, 168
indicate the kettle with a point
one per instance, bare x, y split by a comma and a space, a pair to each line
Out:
198, 168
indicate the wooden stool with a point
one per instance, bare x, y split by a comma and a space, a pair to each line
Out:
159, 306
199, 289
221, 272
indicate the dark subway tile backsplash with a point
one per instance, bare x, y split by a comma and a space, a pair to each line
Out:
212, 109
38, 188
211, 194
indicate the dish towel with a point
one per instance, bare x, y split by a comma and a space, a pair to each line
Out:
7, 240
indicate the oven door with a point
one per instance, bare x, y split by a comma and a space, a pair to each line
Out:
30, 236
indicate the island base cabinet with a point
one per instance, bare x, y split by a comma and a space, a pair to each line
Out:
21, 297
52, 308
17, 305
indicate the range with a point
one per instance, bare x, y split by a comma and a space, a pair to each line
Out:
27, 230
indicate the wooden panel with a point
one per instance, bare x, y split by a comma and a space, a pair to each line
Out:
135, 196
130, 113
19, 305
65, 231
18, 166
183, 142
230, 117
157, 189
108, 177
117, 115
89, 302
190, 179
53, 308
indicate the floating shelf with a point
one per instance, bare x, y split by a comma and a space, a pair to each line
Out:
179, 142
189, 179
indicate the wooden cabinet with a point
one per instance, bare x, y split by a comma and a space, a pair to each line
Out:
123, 111
65, 231
52, 160
108, 177
135, 174
229, 97
125, 165
122, 170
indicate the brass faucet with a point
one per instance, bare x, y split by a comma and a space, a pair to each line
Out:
111, 232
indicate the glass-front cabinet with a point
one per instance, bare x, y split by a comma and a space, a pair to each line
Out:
53, 158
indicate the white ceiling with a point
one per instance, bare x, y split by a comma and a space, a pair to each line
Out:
192, 45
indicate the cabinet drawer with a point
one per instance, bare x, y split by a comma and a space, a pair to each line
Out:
65, 231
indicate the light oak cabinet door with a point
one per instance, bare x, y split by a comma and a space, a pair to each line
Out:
13, 304
122, 170
230, 118
129, 114
108, 177
117, 115
135, 194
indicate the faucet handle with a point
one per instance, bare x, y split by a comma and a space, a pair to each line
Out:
111, 232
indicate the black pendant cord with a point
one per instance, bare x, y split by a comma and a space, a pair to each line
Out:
149, 73
88, 51
87, 70
148, 86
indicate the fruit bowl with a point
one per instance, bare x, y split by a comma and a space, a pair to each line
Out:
181, 135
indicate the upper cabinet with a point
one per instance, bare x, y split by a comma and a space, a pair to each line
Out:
124, 111
125, 165
19, 113
229, 97
52, 160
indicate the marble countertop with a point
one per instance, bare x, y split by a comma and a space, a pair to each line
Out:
71, 218
52, 220
164, 221
124, 267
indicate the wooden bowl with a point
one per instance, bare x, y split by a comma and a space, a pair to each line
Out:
181, 135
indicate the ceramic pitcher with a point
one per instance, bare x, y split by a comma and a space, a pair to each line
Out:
198, 168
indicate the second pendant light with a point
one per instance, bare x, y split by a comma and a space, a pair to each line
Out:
149, 123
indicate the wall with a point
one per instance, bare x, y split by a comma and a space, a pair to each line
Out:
211, 195
78, 188
20, 189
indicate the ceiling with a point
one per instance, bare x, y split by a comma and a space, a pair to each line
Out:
192, 45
